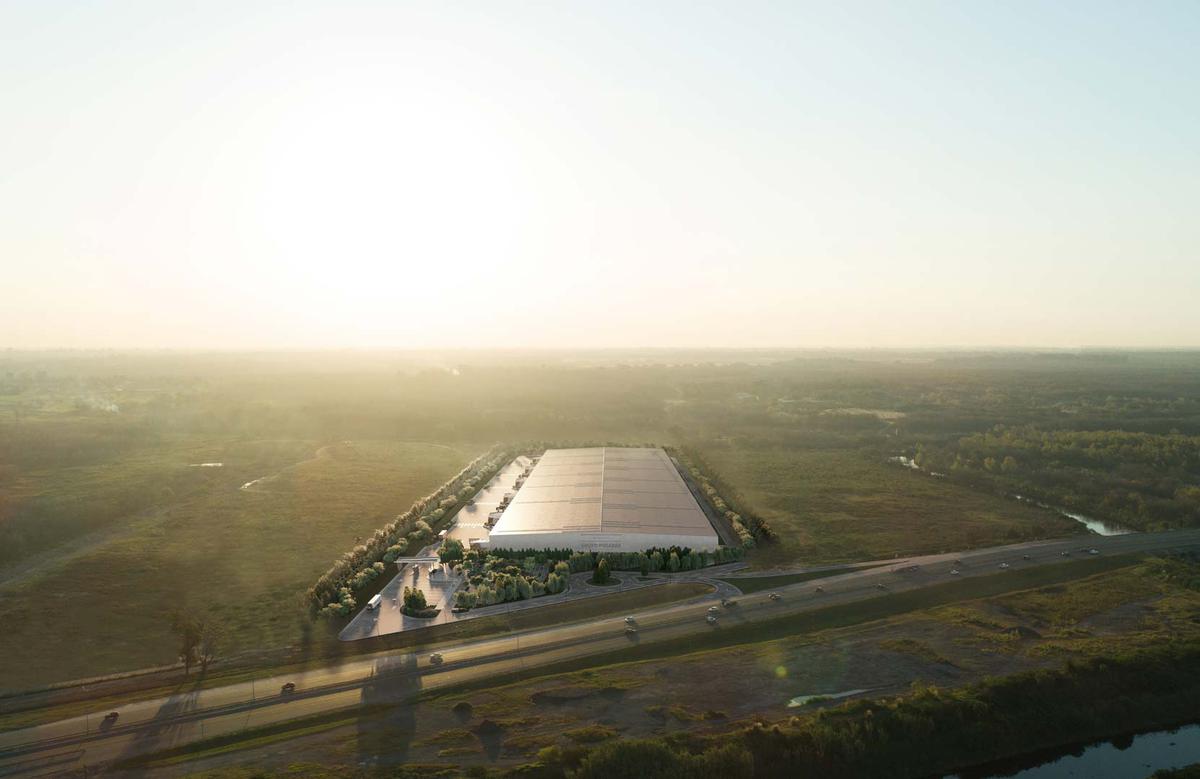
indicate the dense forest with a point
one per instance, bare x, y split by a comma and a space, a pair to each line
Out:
1146, 481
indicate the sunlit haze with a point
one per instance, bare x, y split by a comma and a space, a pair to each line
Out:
248, 175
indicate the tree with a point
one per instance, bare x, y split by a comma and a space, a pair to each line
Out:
212, 639
451, 551
187, 629
602, 575
414, 600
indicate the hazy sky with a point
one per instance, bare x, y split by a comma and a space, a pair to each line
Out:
389, 174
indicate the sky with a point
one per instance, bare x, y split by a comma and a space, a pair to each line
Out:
617, 174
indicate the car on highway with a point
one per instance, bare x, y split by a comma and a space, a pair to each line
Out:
1064, 553
954, 572
729, 603
1093, 551
1003, 566
436, 658
630, 630
629, 620
711, 619
1026, 557
712, 609
820, 588
880, 586
111, 716
774, 596
288, 687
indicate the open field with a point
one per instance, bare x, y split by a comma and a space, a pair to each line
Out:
242, 555
837, 506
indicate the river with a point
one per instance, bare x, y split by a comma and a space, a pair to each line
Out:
1097, 526
1119, 758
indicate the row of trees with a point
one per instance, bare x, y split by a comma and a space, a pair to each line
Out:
750, 528
408, 531
670, 560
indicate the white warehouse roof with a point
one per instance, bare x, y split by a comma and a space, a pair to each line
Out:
606, 498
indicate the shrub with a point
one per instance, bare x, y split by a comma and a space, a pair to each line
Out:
451, 551
414, 600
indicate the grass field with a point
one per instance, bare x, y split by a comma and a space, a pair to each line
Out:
840, 505
243, 555
751, 584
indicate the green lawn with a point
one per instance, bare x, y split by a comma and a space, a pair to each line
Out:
840, 505
243, 555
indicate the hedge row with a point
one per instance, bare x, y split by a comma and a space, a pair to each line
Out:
751, 529
408, 531
669, 559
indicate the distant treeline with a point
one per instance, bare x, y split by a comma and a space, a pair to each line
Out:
927, 732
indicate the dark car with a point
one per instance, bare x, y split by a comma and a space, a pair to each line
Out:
288, 687
111, 716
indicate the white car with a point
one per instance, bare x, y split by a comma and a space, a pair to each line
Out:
954, 572
774, 596
1093, 551
435, 658
629, 620
711, 619
1003, 565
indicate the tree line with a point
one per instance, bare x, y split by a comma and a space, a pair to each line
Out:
1145, 481
332, 593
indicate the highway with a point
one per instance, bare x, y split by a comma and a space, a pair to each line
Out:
149, 726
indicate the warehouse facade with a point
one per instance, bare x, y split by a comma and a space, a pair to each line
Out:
605, 499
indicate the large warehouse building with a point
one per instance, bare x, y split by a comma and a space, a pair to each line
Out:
603, 500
